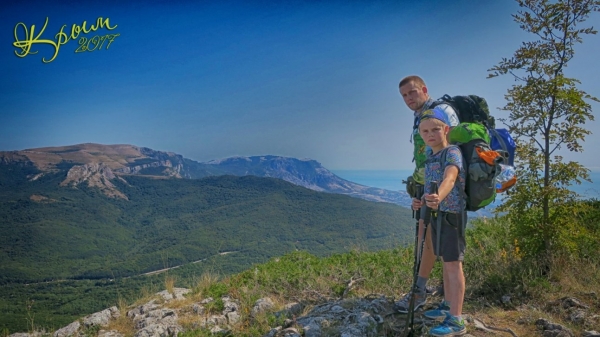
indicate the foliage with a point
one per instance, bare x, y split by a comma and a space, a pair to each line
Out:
53, 305
496, 264
91, 331
547, 113
82, 234
303, 275
583, 240
216, 290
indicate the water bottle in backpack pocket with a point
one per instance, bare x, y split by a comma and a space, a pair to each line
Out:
506, 179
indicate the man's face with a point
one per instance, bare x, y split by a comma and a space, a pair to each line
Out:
414, 95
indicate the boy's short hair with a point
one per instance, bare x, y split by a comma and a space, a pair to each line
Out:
435, 113
412, 78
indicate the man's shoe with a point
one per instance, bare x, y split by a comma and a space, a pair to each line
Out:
439, 313
449, 327
402, 305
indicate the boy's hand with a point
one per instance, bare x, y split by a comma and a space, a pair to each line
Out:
416, 204
432, 201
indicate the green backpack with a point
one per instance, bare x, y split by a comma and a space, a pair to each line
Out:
480, 162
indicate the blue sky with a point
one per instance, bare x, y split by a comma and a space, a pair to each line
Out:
213, 79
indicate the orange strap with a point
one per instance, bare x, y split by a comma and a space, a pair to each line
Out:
487, 156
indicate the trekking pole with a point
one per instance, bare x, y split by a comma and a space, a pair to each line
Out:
408, 326
406, 182
433, 189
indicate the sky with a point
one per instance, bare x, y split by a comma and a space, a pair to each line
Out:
215, 79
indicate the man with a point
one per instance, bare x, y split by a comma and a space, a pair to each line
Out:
415, 94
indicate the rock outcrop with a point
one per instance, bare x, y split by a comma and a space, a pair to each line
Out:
168, 169
169, 313
96, 175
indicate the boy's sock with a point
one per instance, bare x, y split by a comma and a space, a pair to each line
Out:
422, 283
458, 319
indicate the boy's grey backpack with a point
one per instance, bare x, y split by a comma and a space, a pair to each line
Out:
480, 162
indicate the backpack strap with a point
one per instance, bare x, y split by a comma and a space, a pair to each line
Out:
415, 127
439, 235
416, 120
446, 99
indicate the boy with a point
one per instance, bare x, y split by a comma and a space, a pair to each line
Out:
449, 204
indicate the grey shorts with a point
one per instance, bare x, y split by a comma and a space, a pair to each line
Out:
452, 242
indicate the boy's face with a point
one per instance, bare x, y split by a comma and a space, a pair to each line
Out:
433, 132
414, 95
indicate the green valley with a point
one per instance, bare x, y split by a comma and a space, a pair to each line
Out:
88, 247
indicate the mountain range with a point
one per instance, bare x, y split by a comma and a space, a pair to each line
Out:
98, 165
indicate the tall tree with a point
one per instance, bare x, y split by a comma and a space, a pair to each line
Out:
547, 112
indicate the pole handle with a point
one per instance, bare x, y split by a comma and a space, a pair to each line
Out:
433, 187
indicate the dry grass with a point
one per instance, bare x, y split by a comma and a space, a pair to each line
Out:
575, 276
124, 325
184, 305
170, 284
567, 278
204, 282
146, 294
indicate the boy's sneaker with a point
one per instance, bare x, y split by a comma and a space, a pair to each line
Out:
402, 305
449, 327
439, 313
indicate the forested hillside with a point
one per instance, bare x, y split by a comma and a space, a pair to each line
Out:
57, 232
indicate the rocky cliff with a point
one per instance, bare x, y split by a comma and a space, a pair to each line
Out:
95, 175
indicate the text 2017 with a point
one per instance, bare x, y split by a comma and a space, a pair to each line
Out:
95, 43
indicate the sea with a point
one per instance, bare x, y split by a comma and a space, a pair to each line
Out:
392, 180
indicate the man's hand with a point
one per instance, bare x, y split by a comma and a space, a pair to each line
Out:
416, 204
